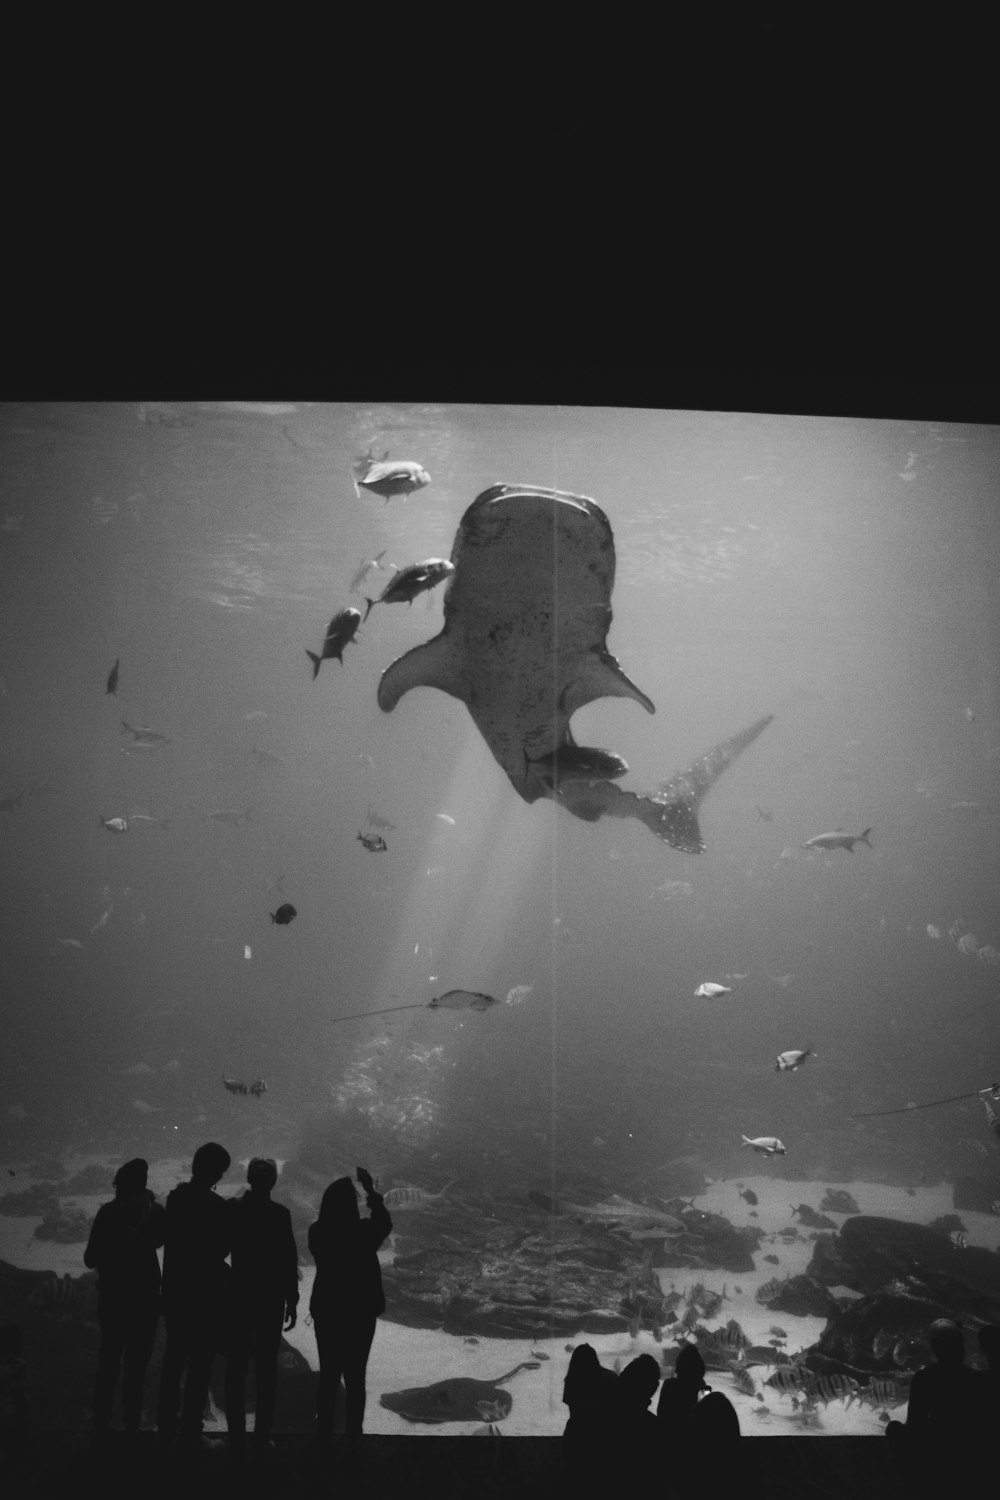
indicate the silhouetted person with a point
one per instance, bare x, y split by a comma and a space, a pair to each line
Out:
989, 1344
265, 1295
637, 1433
947, 1402
124, 1239
591, 1393
346, 1299
195, 1299
679, 1395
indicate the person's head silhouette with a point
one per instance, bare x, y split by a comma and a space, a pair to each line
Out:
262, 1173
130, 1179
690, 1368
946, 1341
338, 1207
989, 1344
638, 1381
209, 1164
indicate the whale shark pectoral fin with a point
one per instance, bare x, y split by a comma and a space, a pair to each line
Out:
601, 677
431, 665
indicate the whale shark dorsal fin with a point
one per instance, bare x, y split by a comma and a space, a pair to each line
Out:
602, 677
430, 665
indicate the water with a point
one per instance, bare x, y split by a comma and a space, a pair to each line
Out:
840, 574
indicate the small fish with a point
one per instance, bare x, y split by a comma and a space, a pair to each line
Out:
933, 932
411, 581
413, 1198
575, 763
764, 814
833, 1388
472, 1340
961, 1240
492, 1411
461, 1000
339, 633
234, 1085
750, 1196
769, 1290
264, 758
788, 1061
787, 1380
772, 1260
401, 477
147, 738
373, 842
744, 1381
139, 817
69, 942
365, 567
766, 1145
226, 815
102, 920
286, 913
446, 818
882, 1343
114, 825
112, 686
969, 945
491, 1429
708, 990
778, 1332
257, 1088
838, 840
247, 951
538, 1354
377, 821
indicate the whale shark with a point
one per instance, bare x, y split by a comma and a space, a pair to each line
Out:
527, 612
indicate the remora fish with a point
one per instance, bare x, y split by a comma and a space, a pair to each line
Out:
339, 633
401, 477
411, 581
838, 840
524, 646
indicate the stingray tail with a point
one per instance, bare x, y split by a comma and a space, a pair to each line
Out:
316, 660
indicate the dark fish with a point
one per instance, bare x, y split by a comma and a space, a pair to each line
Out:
455, 1400
576, 763
373, 842
411, 581
750, 1196
257, 1088
787, 1380
778, 1332
112, 686
812, 1219
264, 759
461, 1000
770, 1289
829, 1388
339, 633
524, 646
400, 477
144, 738
234, 1085
285, 914
744, 1381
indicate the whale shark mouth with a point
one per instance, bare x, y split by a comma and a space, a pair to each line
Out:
524, 646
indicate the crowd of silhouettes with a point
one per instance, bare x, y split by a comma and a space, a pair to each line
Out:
230, 1289
953, 1408
610, 1418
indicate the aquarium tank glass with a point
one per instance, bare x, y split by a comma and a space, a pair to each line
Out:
639, 936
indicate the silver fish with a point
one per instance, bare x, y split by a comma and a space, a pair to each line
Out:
838, 840
401, 477
114, 825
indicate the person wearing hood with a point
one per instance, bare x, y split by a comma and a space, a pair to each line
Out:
265, 1298
124, 1239
195, 1297
347, 1298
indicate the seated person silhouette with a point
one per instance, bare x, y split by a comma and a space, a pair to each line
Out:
124, 1239
947, 1399
679, 1395
265, 1295
195, 1295
591, 1393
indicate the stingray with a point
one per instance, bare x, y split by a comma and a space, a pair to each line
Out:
524, 645
455, 1400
